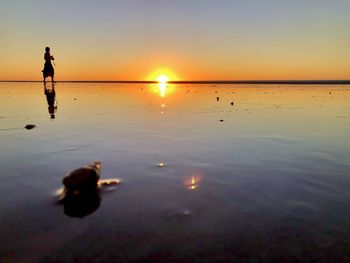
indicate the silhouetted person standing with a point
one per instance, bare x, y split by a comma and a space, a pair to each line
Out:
48, 70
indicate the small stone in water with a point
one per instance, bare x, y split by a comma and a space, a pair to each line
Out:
217, 98
221, 120
30, 126
232, 103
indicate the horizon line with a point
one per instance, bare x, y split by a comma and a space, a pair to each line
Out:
310, 81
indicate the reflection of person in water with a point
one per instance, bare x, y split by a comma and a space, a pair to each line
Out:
51, 97
48, 70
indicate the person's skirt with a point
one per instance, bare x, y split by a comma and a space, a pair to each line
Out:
48, 69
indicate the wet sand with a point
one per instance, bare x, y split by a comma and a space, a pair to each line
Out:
210, 173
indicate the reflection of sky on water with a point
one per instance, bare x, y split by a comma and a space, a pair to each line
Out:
271, 178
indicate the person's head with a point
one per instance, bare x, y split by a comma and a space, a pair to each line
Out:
47, 49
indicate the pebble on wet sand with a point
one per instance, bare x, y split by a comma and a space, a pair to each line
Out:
30, 126
221, 120
232, 103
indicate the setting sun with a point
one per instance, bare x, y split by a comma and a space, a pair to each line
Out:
162, 79
162, 75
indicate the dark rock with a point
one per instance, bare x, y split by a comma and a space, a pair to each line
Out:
232, 103
30, 126
82, 180
217, 98
221, 120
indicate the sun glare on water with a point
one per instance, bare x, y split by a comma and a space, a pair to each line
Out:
162, 76
162, 79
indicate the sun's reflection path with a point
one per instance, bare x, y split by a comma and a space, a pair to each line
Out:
162, 88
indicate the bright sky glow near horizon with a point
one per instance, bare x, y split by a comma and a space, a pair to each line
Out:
182, 39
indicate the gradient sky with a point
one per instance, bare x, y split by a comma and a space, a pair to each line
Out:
194, 40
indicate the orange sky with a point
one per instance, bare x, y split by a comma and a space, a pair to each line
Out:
129, 40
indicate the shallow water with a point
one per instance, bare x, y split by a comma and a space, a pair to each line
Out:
266, 179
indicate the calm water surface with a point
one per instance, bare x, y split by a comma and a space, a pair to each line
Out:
266, 179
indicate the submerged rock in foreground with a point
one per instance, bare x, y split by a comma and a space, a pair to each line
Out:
84, 179
81, 193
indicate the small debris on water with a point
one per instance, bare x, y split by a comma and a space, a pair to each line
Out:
30, 126
221, 120
109, 182
232, 103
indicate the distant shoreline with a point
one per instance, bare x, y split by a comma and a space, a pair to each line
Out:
277, 82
